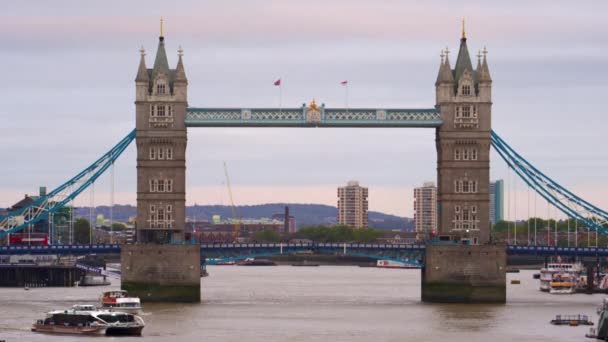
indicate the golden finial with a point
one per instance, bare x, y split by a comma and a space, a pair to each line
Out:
313, 104
161, 26
464, 35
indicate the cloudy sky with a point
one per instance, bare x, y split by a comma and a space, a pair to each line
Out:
68, 89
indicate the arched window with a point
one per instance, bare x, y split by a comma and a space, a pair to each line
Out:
161, 88
169, 153
152, 153
161, 153
466, 90
473, 154
457, 154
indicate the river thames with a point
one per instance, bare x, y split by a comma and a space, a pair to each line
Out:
327, 303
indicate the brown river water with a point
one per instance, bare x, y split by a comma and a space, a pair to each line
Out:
327, 303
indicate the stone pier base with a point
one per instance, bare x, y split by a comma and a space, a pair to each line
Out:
162, 273
464, 274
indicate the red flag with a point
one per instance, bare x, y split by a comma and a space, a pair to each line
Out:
344, 82
277, 82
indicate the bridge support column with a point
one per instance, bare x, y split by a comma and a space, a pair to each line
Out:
162, 273
464, 274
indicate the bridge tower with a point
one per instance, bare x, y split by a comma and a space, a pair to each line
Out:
461, 264
160, 267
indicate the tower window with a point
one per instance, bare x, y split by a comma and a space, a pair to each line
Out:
161, 153
466, 90
169, 153
457, 154
152, 153
160, 88
473, 154
466, 111
160, 110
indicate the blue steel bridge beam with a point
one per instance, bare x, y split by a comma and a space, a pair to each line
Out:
59, 197
539, 182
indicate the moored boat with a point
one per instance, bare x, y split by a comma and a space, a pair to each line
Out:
119, 300
563, 283
393, 264
572, 320
546, 273
257, 262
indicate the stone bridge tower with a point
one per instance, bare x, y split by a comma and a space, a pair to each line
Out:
463, 148
160, 102
463, 266
160, 266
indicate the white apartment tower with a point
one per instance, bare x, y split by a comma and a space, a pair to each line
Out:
425, 210
352, 205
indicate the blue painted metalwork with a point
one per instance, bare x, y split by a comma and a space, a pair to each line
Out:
59, 197
560, 197
233, 252
301, 117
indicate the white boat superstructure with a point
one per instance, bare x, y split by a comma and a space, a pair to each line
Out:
120, 300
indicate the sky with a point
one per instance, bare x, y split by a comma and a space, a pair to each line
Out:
68, 90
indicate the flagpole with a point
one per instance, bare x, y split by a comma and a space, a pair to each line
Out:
281, 97
346, 96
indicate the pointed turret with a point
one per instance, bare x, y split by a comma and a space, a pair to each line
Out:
180, 73
484, 73
445, 70
142, 71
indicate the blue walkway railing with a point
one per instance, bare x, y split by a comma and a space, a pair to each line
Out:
239, 251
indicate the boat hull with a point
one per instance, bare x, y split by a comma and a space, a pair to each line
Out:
124, 331
62, 329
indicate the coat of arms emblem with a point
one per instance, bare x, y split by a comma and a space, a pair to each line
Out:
313, 113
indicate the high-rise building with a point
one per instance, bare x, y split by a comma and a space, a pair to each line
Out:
425, 210
497, 192
352, 205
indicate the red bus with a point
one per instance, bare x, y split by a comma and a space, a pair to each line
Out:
29, 239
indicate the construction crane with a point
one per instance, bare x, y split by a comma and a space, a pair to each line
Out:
237, 224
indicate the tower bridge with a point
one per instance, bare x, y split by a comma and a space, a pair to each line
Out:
461, 264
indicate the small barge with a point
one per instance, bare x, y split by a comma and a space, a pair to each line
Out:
572, 320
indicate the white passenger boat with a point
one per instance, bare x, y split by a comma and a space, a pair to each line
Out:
88, 320
393, 264
546, 273
563, 283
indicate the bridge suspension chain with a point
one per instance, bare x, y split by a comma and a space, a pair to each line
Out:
561, 198
49, 204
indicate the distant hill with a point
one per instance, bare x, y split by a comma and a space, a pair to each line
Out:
305, 214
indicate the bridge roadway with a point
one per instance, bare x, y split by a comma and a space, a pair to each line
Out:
218, 249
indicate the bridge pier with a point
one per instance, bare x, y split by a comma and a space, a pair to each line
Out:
162, 273
464, 274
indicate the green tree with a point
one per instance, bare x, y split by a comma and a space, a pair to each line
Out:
117, 226
82, 231
267, 235
339, 233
